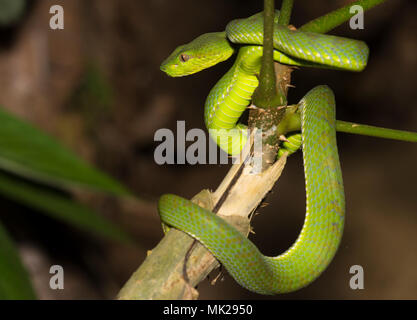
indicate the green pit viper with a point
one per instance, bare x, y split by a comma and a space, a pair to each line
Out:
320, 236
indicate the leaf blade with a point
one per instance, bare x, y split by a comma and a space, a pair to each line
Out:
14, 279
60, 207
27, 151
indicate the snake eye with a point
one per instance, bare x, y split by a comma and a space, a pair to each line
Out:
184, 57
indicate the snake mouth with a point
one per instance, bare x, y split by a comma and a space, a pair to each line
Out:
171, 70
174, 70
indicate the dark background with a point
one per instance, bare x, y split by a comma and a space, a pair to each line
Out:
97, 87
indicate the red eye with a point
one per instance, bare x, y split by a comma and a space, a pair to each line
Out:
184, 57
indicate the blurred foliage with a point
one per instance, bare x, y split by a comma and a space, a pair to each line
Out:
58, 205
14, 280
26, 153
94, 95
11, 11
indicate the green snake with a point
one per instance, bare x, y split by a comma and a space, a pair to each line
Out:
320, 236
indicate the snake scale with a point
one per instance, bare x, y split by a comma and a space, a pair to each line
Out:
321, 233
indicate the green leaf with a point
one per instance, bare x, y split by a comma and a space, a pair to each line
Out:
26, 151
11, 11
58, 206
14, 279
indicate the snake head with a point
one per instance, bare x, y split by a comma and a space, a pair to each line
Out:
201, 53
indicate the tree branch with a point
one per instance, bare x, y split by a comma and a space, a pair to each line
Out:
267, 119
161, 275
267, 94
285, 12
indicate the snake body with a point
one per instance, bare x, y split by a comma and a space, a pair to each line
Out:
320, 236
